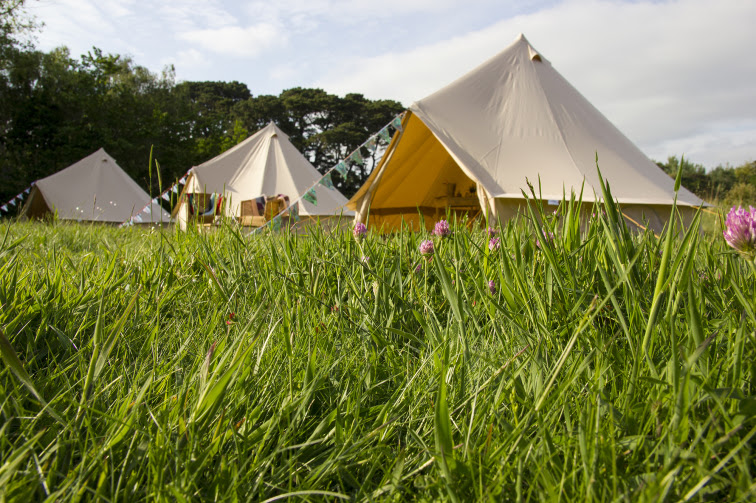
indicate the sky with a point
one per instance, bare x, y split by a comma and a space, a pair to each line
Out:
676, 77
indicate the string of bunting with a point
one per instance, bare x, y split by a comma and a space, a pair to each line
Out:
342, 167
165, 195
17, 199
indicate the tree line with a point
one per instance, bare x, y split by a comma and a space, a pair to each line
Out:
726, 185
56, 109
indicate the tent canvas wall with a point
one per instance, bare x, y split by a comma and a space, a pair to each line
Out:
266, 163
510, 119
92, 189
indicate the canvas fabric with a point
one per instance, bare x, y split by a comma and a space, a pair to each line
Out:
92, 189
511, 120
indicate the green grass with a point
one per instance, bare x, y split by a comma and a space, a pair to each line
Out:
608, 366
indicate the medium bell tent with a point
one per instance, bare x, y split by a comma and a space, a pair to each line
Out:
92, 189
266, 163
473, 145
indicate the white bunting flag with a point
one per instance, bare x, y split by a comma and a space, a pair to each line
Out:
166, 197
5, 207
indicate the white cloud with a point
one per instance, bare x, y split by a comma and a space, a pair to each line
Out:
660, 71
237, 41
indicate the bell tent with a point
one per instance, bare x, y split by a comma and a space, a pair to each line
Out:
92, 189
473, 144
266, 163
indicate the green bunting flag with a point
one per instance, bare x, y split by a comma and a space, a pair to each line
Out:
341, 168
397, 123
276, 223
326, 181
371, 144
311, 197
356, 157
385, 135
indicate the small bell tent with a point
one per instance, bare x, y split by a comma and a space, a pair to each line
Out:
92, 189
266, 163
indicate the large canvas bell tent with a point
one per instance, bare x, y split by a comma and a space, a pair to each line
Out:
473, 144
266, 163
92, 189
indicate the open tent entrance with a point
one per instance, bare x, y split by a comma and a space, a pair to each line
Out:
421, 178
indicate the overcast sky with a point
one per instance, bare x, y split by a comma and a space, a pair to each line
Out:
677, 77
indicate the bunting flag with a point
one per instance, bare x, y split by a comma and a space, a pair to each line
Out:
166, 197
326, 181
26, 191
356, 157
397, 123
341, 168
136, 219
175, 189
183, 180
5, 207
371, 144
276, 222
12, 202
294, 212
385, 135
311, 197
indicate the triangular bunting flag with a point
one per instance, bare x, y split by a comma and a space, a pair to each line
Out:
175, 189
12, 202
371, 144
326, 181
276, 223
166, 197
356, 157
385, 135
397, 123
311, 197
183, 180
136, 219
5, 207
26, 191
341, 168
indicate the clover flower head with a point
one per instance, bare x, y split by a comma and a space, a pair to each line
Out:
442, 229
740, 230
492, 232
365, 259
494, 244
360, 230
492, 287
426, 247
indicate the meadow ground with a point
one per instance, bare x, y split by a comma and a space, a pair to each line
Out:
597, 365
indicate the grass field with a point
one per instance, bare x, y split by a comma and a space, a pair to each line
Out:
600, 365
